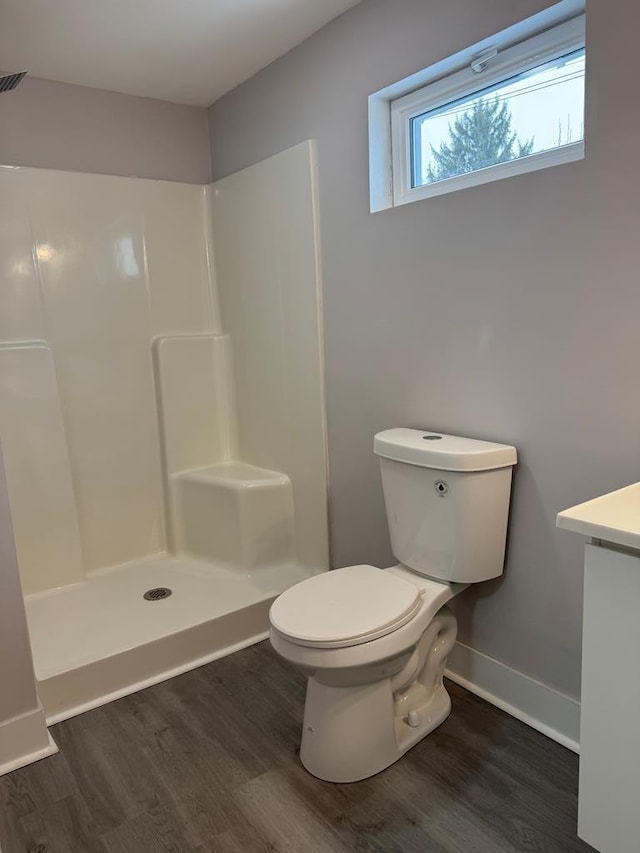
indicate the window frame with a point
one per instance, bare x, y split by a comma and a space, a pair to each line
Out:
509, 61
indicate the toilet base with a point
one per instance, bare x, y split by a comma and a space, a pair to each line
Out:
351, 733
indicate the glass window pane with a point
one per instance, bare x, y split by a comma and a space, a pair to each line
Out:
535, 111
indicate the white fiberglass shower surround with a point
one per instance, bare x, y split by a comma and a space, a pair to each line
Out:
161, 415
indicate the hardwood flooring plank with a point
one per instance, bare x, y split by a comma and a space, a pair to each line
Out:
34, 791
29, 788
269, 718
114, 771
272, 806
196, 774
242, 839
64, 826
494, 737
158, 830
415, 808
212, 717
330, 800
13, 838
531, 825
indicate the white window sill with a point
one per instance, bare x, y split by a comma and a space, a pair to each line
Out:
544, 160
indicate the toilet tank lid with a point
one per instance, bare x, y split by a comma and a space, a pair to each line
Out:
442, 452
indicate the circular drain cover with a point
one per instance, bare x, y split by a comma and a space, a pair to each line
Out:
158, 593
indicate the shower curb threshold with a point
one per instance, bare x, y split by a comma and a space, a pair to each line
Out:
97, 683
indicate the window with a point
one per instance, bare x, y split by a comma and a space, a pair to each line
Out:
512, 105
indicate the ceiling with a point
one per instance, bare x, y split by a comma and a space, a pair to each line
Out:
186, 51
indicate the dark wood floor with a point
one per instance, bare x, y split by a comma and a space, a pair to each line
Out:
207, 762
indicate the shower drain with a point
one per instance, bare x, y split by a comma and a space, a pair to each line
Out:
157, 594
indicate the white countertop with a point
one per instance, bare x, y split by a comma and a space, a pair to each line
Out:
614, 517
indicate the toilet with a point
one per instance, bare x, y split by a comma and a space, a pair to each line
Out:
374, 642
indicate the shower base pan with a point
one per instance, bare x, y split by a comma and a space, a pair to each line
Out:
100, 639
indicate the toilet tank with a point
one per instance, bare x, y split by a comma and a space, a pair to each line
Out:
447, 501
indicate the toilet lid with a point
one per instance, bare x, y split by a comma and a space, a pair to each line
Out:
345, 607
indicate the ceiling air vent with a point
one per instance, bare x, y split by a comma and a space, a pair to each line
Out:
10, 81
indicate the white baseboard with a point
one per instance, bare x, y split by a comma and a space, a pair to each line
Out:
547, 710
23, 740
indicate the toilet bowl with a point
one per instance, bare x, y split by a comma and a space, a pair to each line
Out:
375, 687
374, 642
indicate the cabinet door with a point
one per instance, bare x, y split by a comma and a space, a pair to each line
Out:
609, 794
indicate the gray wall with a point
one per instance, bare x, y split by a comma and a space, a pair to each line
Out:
59, 126
507, 311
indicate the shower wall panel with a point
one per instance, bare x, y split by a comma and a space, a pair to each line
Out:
21, 308
90, 238
196, 401
265, 224
178, 259
98, 266
45, 521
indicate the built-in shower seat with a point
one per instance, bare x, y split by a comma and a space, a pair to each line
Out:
234, 513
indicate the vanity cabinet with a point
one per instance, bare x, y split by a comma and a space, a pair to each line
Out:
609, 785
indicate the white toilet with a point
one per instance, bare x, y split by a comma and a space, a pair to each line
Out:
374, 642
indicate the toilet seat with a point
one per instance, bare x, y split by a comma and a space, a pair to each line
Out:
345, 607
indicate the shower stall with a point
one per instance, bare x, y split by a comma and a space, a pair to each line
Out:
161, 416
